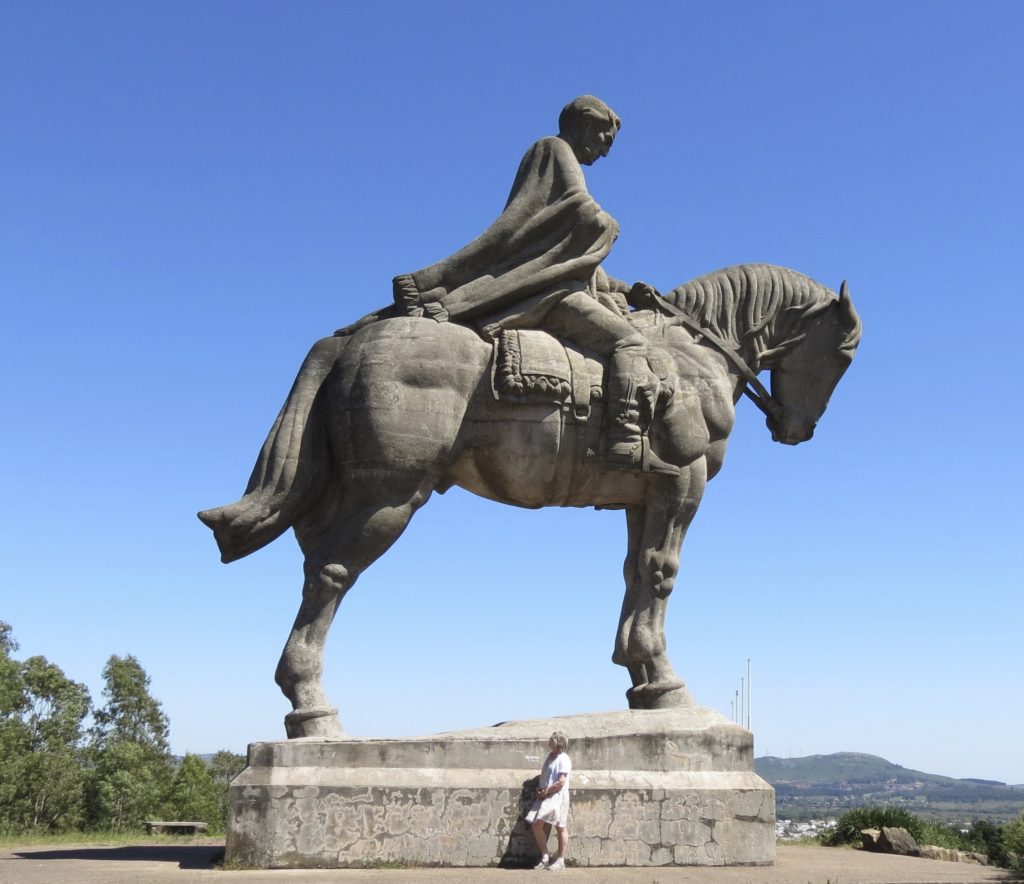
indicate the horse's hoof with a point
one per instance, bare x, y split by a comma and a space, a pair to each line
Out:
635, 697
667, 695
316, 721
661, 685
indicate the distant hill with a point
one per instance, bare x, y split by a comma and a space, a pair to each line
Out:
825, 785
848, 767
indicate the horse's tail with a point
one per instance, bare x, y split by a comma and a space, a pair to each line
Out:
282, 487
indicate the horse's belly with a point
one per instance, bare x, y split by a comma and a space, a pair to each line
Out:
522, 456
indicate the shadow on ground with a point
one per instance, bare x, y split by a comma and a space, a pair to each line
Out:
186, 857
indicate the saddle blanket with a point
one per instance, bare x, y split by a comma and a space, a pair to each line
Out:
532, 366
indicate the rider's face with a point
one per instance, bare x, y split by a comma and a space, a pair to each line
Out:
594, 140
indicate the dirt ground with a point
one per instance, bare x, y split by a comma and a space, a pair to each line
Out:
193, 862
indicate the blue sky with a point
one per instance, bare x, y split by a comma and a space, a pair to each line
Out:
193, 193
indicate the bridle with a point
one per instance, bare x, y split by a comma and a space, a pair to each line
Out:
753, 389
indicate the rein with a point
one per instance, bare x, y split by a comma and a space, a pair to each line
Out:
753, 389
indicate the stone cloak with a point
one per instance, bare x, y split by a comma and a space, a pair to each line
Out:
548, 241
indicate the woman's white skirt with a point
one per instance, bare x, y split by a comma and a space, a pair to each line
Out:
554, 809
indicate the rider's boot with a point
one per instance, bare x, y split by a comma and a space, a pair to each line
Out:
627, 446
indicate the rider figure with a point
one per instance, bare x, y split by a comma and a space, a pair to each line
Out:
538, 266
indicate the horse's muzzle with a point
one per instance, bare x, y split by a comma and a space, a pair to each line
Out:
790, 432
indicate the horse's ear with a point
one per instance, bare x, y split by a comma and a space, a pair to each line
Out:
849, 315
849, 319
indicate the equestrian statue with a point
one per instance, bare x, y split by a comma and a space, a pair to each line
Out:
518, 369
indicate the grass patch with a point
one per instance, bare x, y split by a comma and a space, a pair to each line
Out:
221, 864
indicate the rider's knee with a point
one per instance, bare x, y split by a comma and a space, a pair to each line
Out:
633, 344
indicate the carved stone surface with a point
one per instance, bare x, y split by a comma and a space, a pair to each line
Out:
649, 788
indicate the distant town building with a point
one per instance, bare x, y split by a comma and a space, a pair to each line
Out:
787, 830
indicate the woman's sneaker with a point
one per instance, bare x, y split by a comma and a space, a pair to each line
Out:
543, 864
556, 865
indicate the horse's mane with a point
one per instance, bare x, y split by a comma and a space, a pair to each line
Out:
756, 306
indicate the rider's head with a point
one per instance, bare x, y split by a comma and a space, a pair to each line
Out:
589, 126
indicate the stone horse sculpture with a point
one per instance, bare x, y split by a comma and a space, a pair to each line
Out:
379, 419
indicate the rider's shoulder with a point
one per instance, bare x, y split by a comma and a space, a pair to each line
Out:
553, 145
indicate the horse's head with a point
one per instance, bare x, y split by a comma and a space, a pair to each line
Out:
806, 368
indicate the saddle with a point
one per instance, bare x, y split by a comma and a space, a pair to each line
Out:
531, 366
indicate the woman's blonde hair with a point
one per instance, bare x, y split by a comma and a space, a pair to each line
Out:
561, 741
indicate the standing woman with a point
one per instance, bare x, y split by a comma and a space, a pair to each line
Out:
551, 807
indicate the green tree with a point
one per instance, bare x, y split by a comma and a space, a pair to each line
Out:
987, 837
224, 767
12, 694
52, 779
1013, 843
130, 713
41, 715
131, 772
127, 786
194, 795
13, 737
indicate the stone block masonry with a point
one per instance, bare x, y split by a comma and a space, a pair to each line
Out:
649, 788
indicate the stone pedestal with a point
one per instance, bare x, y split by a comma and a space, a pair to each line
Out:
648, 788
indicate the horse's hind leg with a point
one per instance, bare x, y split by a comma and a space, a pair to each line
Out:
371, 517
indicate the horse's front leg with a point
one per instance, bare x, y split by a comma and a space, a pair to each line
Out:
670, 509
636, 648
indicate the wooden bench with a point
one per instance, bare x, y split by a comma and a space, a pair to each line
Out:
174, 827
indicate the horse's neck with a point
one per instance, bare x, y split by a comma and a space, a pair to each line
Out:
696, 356
742, 306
